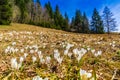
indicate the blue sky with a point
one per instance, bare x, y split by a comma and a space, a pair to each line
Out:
87, 6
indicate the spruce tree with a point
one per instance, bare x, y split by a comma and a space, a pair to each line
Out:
32, 12
96, 23
66, 22
38, 1
85, 24
22, 5
49, 9
5, 12
78, 21
38, 11
72, 24
58, 18
56, 15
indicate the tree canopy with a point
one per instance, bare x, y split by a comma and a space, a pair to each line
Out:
32, 12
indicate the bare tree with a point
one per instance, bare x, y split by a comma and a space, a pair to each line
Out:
109, 21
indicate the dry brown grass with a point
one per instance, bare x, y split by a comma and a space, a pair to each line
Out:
106, 64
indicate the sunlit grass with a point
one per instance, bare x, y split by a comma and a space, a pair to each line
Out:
20, 36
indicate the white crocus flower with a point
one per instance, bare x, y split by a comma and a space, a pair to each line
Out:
11, 49
42, 60
22, 50
113, 42
70, 54
39, 53
89, 75
59, 60
48, 59
27, 47
79, 57
66, 52
8, 47
19, 65
21, 59
56, 51
110, 44
75, 51
113, 45
93, 51
83, 72
32, 51
14, 64
6, 51
98, 53
37, 78
83, 51
25, 55
34, 59
14, 43
56, 54
46, 79
36, 50
16, 50
69, 46
88, 49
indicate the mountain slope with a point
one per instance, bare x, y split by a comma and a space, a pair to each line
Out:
57, 54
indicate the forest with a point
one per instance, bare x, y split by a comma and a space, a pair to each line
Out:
40, 42
31, 12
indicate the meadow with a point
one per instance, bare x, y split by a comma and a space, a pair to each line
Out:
33, 53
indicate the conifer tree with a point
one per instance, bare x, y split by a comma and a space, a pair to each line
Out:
72, 22
5, 12
32, 12
66, 22
49, 9
22, 5
78, 21
38, 10
58, 18
97, 23
85, 24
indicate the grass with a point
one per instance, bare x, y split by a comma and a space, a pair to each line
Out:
24, 27
47, 40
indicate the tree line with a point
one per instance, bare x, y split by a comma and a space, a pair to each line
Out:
31, 12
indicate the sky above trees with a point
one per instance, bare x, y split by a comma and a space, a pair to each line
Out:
87, 6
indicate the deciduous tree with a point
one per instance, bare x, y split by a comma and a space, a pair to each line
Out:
109, 21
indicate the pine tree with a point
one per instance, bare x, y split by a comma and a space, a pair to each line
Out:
109, 21
5, 12
85, 24
78, 21
96, 23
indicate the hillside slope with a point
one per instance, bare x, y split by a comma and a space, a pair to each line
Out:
27, 51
